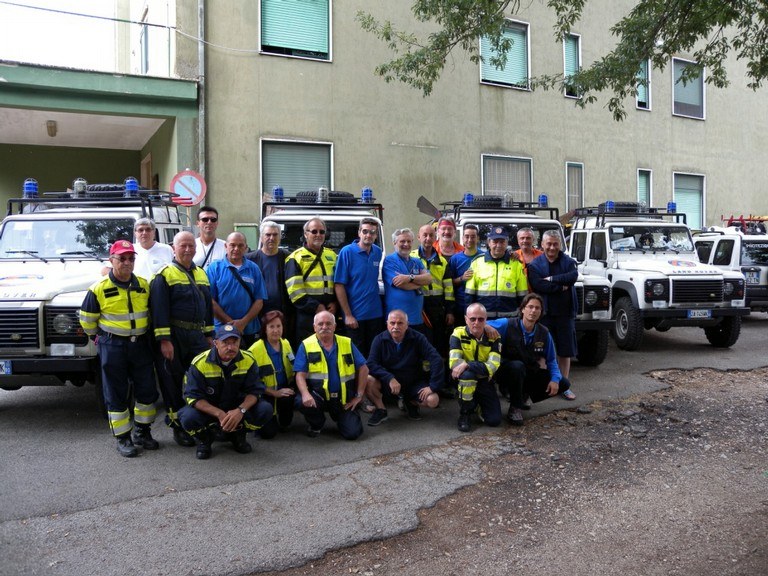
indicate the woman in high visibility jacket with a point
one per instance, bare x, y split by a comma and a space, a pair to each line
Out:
274, 356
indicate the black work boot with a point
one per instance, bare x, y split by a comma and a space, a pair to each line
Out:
239, 443
204, 440
142, 436
182, 438
464, 424
125, 446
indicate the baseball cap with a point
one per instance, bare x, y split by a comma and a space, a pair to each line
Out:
446, 221
224, 331
121, 247
498, 232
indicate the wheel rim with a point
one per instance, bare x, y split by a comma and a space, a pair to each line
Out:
622, 324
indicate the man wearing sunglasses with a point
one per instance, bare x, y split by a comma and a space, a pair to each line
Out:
309, 278
115, 312
473, 360
208, 248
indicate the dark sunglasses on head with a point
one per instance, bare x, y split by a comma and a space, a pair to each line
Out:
476, 319
209, 219
125, 258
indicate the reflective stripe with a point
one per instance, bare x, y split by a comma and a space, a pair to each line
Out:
122, 317
308, 275
118, 331
318, 371
467, 389
144, 413
120, 422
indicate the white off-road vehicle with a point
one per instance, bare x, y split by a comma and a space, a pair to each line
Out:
593, 321
52, 248
657, 281
741, 246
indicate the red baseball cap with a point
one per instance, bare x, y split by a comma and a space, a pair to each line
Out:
121, 247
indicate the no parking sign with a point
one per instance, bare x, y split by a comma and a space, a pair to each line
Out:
190, 187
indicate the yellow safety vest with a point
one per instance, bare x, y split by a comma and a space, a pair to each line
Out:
121, 311
467, 348
317, 376
309, 275
440, 285
264, 362
498, 285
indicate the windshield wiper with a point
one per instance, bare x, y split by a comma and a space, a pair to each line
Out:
81, 253
32, 253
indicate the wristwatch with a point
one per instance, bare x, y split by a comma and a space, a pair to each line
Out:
242, 410
411, 277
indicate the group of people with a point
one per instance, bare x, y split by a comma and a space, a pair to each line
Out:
239, 340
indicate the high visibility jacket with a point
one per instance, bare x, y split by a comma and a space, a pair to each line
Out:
222, 386
483, 356
442, 284
264, 362
116, 307
499, 285
309, 278
317, 376
177, 301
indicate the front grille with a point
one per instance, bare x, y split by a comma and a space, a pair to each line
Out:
18, 329
580, 299
696, 291
69, 316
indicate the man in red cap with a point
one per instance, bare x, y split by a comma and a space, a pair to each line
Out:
445, 245
115, 313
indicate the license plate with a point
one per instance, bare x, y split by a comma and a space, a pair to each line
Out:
752, 277
5, 367
699, 313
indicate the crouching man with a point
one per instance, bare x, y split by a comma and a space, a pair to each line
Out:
529, 361
222, 390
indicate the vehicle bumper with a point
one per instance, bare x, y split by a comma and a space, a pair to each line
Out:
45, 371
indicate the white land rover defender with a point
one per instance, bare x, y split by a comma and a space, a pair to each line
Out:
741, 246
593, 320
52, 248
656, 278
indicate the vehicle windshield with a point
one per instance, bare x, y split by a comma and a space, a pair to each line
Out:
338, 235
651, 237
538, 229
754, 253
62, 238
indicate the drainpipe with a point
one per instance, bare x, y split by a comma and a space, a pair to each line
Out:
201, 87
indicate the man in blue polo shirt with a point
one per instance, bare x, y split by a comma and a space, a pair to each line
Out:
404, 277
237, 290
461, 271
356, 283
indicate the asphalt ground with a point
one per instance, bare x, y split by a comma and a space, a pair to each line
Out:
69, 504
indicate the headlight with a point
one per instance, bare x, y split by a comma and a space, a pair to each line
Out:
62, 324
590, 297
728, 289
658, 289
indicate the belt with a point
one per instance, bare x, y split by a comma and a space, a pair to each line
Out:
187, 325
133, 338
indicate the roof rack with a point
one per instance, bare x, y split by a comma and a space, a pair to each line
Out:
609, 210
99, 197
484, 204
747, 224
337, 200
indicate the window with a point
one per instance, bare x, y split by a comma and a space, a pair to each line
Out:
644, 186
572, 61
296, 28
689, 197
296, 166
579, 246
643, 100
574, 185
507, 175
515, 71
688, 97
144, 49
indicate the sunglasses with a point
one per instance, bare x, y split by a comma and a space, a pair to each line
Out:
321, 232
125, 258
371, 232
476, 319
211, 219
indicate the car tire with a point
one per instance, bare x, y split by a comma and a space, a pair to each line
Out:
725, 334
593, 347
628, 331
